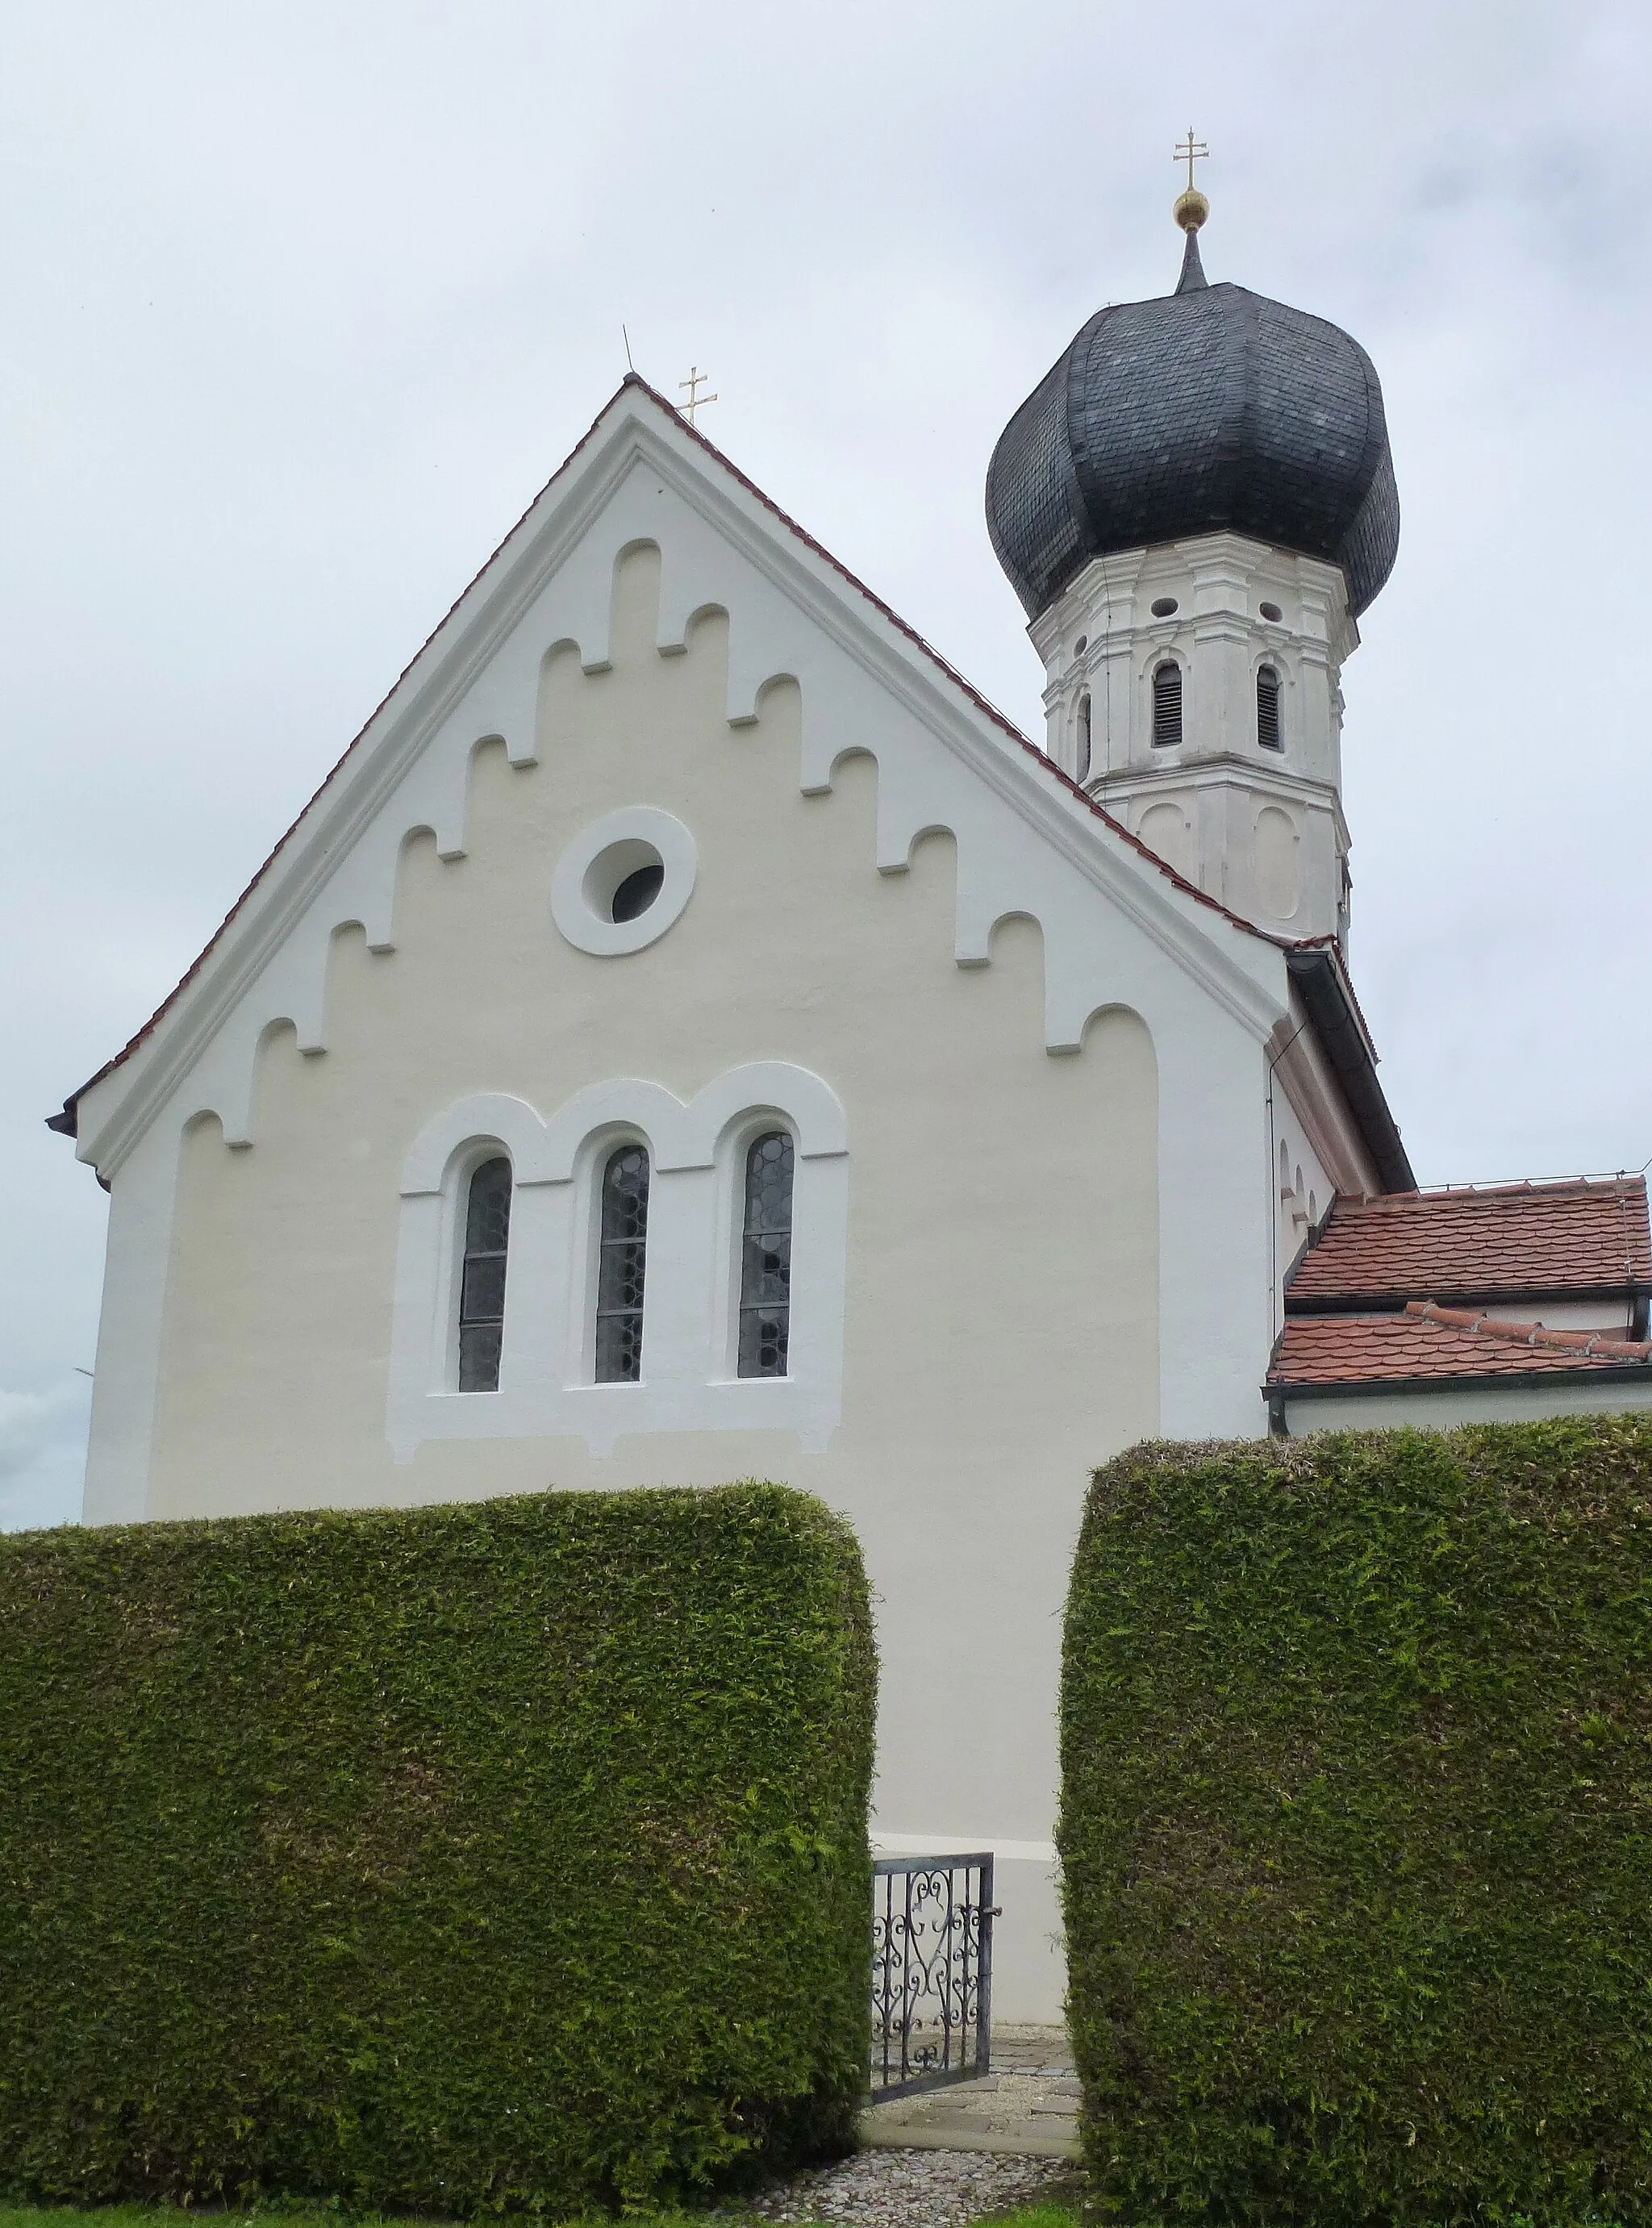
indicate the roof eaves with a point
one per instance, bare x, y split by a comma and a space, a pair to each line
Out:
1301, 1307
1277, 1390
1322, 981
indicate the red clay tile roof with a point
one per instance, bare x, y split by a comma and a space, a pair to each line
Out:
1586, 1235
64, 1122
1432, 1341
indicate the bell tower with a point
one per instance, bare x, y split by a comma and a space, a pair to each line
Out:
1194, 504
1194, 690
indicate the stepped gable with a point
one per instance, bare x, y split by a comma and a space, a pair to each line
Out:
1305, 950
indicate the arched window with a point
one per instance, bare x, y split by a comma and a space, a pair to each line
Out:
621, 1267
1167, 705
765, 1258
1083, 768
1267, 708
482, 1278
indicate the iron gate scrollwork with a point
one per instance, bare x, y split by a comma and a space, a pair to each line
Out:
932, 1972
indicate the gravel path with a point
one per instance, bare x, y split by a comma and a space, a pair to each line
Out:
911, 2189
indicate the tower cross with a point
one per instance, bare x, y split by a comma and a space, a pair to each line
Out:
693, 382
1191, 150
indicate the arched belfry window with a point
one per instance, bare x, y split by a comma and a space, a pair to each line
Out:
1267, 708
1167, 705
765, 1258
1082, 767
482, 1278
622, 1266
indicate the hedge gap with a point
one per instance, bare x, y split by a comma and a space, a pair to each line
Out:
1357, 1826
509, 1855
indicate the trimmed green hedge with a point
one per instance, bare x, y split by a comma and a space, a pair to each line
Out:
506, 1855
1357, 1826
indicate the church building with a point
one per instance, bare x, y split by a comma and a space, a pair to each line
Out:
691, 1035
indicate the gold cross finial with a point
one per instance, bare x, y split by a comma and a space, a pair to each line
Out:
1191, 209
1191, 150
696, 400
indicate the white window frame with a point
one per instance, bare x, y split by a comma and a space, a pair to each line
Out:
696, 1174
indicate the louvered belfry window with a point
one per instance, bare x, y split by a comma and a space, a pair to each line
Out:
1084, 739
1267, 708
621, 1268
1166, 706
765, 1258
481, 1279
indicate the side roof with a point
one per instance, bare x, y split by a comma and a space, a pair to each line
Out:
1337, 1020
1427, 1343
1588, 1235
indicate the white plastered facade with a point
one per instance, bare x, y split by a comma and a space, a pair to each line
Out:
1037, 1092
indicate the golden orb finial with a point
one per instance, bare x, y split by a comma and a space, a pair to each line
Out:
1191, 209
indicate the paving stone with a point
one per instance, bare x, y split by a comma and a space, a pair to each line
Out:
887, 2188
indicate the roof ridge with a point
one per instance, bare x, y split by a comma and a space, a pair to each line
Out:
1580, 1191
1530, 1333
1598, 1184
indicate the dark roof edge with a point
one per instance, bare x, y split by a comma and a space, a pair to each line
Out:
1514, 1380
1316, 1306
1325, 993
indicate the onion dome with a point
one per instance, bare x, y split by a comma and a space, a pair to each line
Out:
1211, 409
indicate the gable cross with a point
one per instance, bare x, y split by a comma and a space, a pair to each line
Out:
1191, 150
693, 382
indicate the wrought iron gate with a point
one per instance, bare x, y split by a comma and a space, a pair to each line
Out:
932, 1972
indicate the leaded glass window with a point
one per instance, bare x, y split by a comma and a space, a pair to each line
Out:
765, 1258
481, 1279
1167, 705
622, 1265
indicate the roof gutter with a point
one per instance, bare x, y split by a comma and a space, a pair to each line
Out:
1278, 1394
1320, 983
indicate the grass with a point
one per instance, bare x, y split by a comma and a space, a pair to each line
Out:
323, 2216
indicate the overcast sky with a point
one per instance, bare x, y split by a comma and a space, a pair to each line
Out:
304, 302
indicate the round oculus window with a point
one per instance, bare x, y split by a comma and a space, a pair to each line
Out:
624, 881
1271, 611
1162, 606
